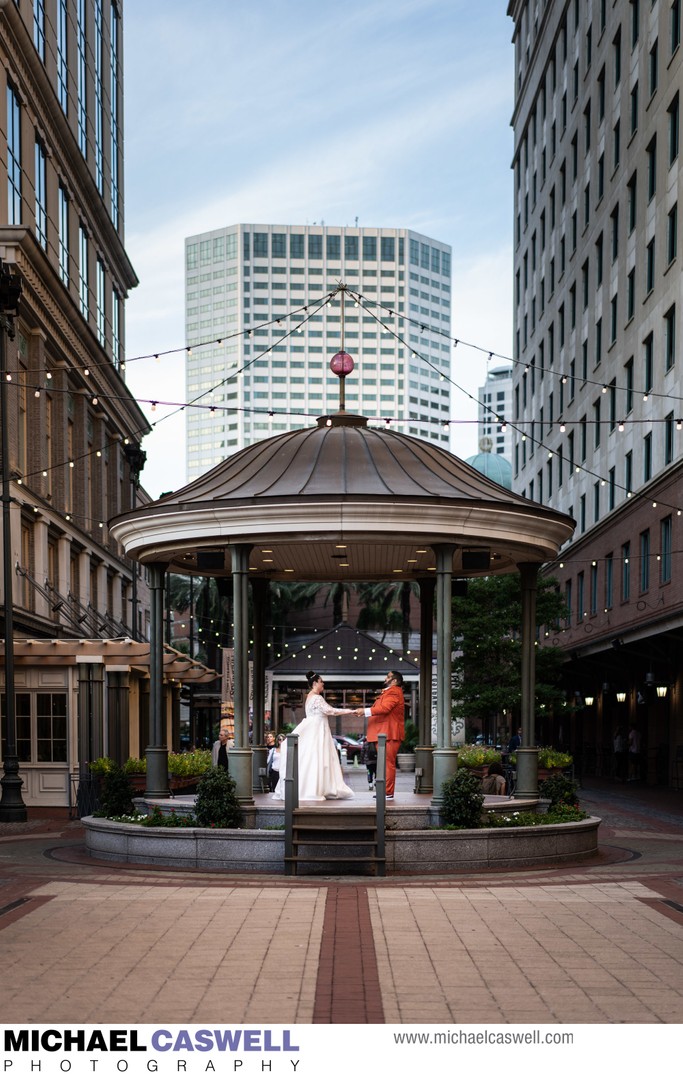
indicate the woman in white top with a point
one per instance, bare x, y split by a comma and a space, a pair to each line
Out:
320, 774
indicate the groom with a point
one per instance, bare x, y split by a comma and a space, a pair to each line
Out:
387, 715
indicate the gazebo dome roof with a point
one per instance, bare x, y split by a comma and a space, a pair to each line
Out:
319, 492
493, 466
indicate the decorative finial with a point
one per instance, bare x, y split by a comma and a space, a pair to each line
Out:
342, 364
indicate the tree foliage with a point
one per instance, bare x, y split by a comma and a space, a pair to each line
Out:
488, 645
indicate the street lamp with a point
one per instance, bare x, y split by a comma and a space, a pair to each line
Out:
12, 806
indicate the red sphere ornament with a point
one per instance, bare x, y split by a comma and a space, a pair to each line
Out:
341, 364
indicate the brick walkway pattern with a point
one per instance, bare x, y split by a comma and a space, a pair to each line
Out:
600, 943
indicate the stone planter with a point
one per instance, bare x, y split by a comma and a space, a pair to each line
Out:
405, 761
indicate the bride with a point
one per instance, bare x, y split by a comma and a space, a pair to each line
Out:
320, 775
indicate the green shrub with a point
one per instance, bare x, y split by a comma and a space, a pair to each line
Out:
116, 793
216, 805
135, 765
562, 812
160, 818
411, 736
559, 789
462, 800
99, 766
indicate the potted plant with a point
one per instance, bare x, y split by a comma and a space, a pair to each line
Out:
185, 768
405, 759
551, 761
136, 770
477, 757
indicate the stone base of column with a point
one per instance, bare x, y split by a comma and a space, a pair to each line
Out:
445, 765
156, 785
12, 806
527, 773
424, 760
259, 762
240, 768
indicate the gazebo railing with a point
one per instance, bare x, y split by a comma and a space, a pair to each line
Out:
291, 779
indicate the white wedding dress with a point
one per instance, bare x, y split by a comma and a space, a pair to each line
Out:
320, 774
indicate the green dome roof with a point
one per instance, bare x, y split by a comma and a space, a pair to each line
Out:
493, 466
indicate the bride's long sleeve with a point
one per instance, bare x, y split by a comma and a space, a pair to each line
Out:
327, 710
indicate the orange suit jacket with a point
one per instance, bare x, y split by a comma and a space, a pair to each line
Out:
388, 715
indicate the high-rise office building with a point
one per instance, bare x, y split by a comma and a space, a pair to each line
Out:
262, 329
495, 410
598, 379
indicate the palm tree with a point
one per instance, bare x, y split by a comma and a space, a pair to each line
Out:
387, 606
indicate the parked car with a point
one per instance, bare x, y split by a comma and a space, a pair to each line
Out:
351, 746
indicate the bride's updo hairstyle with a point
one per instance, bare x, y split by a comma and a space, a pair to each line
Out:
312, 677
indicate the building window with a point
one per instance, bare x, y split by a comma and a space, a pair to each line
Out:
628, 472
39, 27
351, 248
653, 68
671, 233
13, 157
675, 25
616, 55
647, 457
634, 109
626, 571
628, 370
665, 556
645, 560
116, 329
609, 581
40, 726
614, 221
388, 253
99, 98
296, 246
648, 363
333, 247
41, 195
669, 438
580, 611
261, 244
114, 30
62, 55
83, 270
673, 112
650, 267
630, 294
63, 211
370, 251
612, 485
278, 244
82, 80
568, 601
670, 338
632, 203
100, 299
651, 152
594, 589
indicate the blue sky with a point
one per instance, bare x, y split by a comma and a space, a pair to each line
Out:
291, 111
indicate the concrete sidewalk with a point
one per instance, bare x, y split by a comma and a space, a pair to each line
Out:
594, 944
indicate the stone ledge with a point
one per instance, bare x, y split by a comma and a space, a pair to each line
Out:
407, 851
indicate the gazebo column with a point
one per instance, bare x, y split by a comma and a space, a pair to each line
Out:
157, 751
424, 759
445, 756
527, 755
240, 755
260, 591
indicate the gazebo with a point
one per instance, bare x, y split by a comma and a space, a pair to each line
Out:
343, 500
